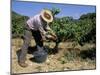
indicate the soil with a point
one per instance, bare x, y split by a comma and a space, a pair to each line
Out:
66, 59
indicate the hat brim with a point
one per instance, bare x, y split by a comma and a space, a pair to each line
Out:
44, 18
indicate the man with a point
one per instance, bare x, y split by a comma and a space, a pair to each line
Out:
37, 27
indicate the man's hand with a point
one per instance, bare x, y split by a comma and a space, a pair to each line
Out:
50, 37
43, 38
54, 36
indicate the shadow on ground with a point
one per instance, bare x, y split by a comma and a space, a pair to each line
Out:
90, 53
74, 53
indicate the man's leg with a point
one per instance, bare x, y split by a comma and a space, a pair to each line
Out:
23, 53
37, 37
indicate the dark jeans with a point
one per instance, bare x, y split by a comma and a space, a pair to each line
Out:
27, 38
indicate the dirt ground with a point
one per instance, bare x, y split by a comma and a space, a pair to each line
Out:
55, 62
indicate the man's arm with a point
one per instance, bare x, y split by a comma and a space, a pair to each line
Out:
50, 32
43, 33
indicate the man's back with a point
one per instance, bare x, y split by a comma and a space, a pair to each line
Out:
34, 22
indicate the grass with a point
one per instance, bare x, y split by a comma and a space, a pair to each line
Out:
69, 55
82, 56
39, 68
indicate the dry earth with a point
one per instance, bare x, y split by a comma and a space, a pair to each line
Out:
54, 62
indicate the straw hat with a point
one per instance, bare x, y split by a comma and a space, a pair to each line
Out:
47, 15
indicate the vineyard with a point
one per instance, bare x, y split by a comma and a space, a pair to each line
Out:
74, 49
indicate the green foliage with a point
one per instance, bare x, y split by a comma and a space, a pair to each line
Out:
63, 28
85, 29
55, 11
82, 30
18, 23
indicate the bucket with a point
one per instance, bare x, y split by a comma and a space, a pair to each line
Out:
40, 56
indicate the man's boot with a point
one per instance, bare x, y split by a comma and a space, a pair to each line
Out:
23, 64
